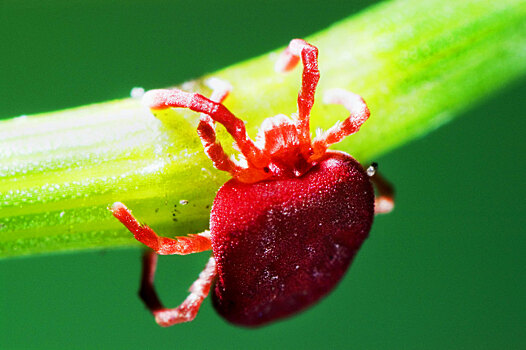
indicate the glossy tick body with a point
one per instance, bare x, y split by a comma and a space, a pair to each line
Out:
287, 225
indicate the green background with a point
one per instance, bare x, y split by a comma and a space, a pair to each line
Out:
445, 270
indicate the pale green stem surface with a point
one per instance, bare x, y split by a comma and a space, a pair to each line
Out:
417, 63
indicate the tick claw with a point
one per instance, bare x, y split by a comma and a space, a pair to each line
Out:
383, 205
218, 84
117, 206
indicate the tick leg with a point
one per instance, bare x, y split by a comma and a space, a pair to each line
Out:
194, 243
207, 133
384, 201
147, 291
311, 75
162, 99
189, 308
359, 113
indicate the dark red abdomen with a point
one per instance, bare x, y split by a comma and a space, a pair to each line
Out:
280, 245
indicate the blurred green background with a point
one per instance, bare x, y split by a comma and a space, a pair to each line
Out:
445, 270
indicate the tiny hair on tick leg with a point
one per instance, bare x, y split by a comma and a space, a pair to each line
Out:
287, 225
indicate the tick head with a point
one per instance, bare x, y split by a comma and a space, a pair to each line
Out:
283, 147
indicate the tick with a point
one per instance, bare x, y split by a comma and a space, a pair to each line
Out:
286, 227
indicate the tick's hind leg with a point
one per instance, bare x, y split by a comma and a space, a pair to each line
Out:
147, 291
384, 200
188, 309
161, 245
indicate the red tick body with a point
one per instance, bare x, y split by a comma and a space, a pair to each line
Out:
291, 243
287, 225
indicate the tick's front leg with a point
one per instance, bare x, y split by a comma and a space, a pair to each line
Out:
207, 133
289, 58
194, 243
188, 309
359, 113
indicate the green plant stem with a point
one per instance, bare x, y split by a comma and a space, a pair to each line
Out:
417, 63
